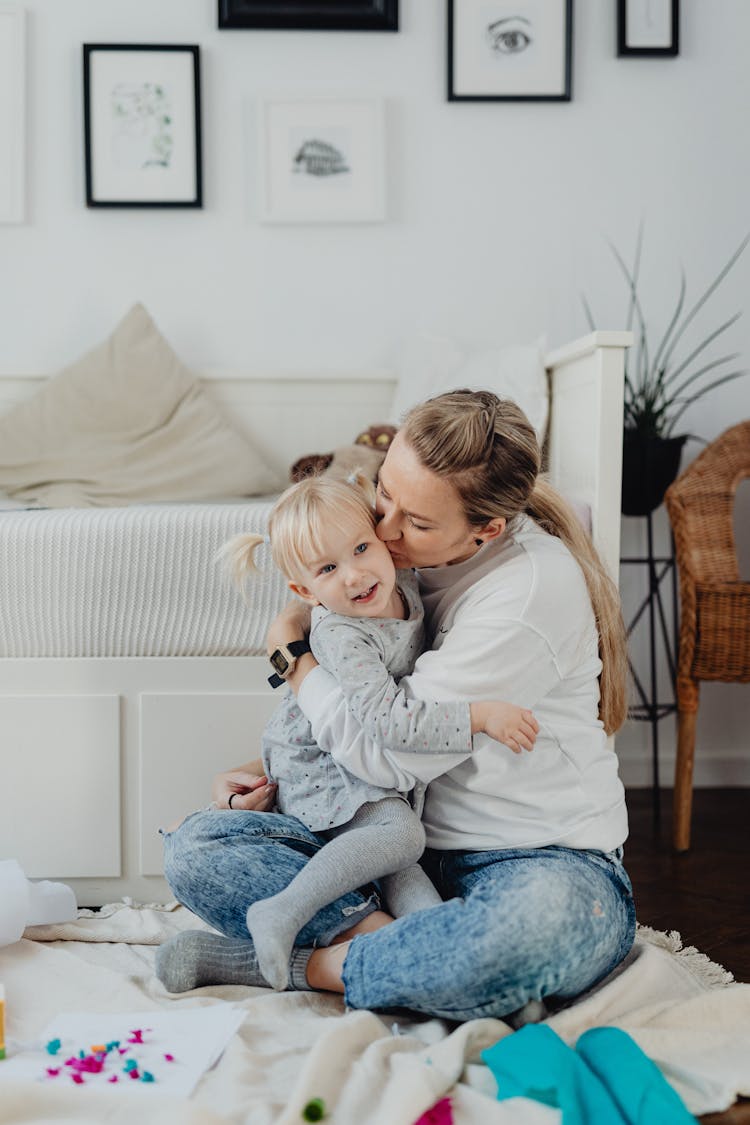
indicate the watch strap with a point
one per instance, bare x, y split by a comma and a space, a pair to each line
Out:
296, 649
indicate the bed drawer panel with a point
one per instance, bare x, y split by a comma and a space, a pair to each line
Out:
60, 784
184, 740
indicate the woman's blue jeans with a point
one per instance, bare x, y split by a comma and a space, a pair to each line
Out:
517, 924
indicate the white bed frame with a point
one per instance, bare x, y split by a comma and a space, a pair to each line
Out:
97, 754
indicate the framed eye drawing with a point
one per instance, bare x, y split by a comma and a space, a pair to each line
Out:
510, 50
310, 15
321, 160
142, 125
648, 27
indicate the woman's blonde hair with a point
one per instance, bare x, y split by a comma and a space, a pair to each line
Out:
298, 521
489, 451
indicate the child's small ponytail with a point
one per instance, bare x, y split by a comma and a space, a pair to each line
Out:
238, 555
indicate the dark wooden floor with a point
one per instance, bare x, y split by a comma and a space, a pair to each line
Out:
703, 893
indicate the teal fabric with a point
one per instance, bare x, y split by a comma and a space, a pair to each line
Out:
535, 1063
635, 1083
606, 1080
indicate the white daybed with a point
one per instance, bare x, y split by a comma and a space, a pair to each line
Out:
100, 751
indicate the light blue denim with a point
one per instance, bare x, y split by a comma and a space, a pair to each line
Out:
517, 924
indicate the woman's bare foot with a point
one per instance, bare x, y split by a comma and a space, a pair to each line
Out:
325, 965
368, 925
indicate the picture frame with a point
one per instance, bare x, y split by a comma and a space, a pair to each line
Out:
12, 114
309, 15
510, 50
648, 27
321, 160
142, 125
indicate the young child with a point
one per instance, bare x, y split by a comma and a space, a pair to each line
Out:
367, 630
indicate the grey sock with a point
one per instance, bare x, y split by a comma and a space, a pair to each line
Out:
195, 958
382, 837
407, 891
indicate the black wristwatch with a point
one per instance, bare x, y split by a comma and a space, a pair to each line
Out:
284, 660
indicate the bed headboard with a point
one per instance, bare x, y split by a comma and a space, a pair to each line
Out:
286, 416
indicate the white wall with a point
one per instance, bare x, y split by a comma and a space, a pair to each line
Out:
498, 216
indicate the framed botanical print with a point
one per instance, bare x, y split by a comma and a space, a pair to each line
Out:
142, 125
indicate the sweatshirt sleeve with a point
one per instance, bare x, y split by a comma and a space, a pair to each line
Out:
337, 732
483, 656
390, 718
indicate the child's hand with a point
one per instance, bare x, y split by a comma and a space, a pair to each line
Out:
514, 726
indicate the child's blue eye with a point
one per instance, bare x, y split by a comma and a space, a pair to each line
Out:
327, 568
360, 550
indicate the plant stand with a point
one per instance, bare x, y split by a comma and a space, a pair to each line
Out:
650, 708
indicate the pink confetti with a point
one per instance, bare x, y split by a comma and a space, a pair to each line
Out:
53, 1071
169, 1058
440, 1114
114, 1078
136, 1036
133, 1073
77, 1078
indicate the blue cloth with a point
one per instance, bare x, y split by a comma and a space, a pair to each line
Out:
606, 1080
634, 1082
517, 924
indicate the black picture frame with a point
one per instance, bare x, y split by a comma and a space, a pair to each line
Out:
157, 126
463, 19
631, 42
304, 15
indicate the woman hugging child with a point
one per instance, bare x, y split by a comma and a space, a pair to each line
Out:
367, 631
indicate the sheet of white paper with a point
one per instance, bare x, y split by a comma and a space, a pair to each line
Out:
194, 1037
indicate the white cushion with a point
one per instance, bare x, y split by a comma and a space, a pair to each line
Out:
127, 422
431, 365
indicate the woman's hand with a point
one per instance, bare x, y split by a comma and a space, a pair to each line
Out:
253, 791
514, 726
292, 624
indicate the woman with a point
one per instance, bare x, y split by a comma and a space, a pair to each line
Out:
525, 850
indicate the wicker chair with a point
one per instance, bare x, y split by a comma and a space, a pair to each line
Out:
714, 603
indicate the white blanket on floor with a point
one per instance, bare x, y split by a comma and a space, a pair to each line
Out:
681, 1009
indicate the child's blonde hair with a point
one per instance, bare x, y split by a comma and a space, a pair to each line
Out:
298, 521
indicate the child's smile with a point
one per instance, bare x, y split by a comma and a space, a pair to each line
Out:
353, 575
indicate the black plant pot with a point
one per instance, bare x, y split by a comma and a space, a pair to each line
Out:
649, 465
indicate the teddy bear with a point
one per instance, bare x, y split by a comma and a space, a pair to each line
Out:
366, 452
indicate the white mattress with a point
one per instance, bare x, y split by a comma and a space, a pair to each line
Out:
136, 581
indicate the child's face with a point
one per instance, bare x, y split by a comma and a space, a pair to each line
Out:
354, 574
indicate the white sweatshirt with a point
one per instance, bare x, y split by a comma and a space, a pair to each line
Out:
514, 622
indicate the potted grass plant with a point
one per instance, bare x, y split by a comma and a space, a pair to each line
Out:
661, 382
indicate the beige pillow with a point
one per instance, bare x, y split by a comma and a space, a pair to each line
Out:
126, 423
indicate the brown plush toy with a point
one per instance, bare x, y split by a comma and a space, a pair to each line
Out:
366, 453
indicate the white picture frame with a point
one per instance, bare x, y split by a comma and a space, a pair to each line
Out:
12, 114
321, 160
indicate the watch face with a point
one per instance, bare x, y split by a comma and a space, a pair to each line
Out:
279, 662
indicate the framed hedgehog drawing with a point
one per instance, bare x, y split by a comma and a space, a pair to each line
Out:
322, 160
510, 50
